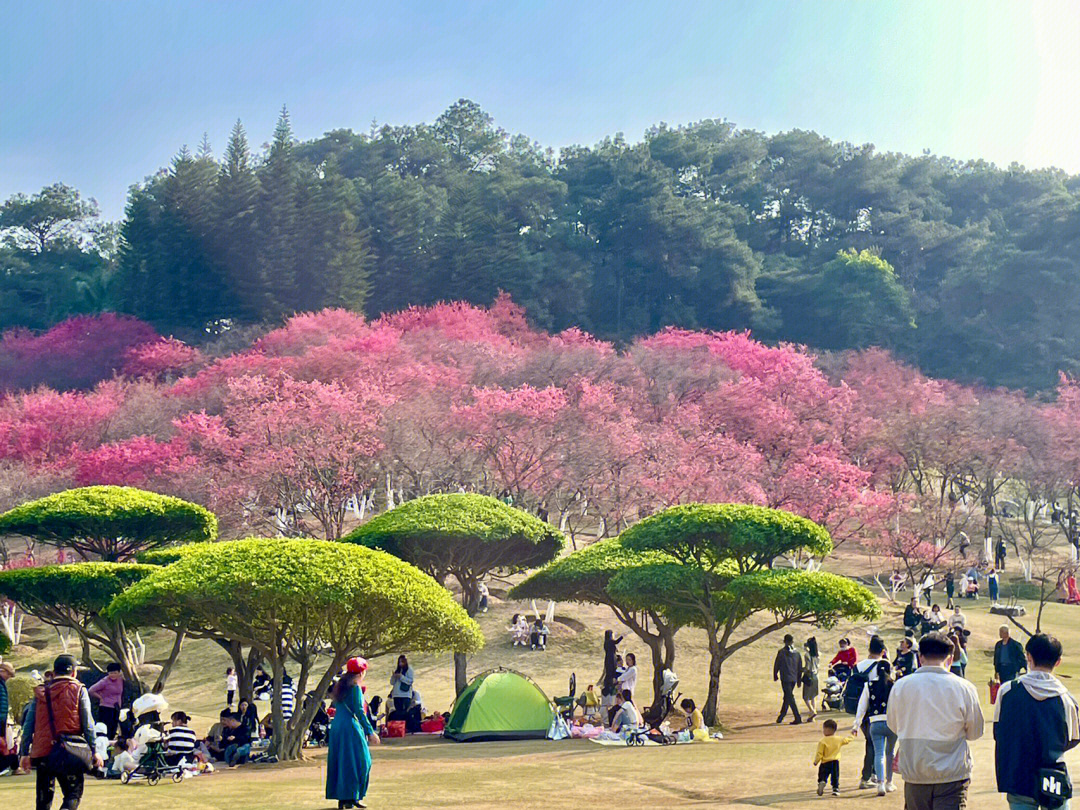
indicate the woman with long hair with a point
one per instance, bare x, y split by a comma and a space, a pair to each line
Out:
610, 645
348, 760
810, 685
401, 683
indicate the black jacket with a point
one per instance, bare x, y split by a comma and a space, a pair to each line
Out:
788, 665
1009, 659
1036, 723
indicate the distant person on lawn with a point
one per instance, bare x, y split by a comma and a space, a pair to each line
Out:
109, 693
71, 715
934, 714
1009, 656
1036, 721
788, 669
348, 760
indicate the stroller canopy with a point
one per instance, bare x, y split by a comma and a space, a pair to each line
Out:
500, 704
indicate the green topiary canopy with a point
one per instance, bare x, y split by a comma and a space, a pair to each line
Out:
440, 533
110, 523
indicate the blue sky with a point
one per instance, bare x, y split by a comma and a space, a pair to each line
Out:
101, 94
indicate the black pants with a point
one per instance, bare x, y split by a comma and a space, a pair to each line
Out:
229, 695
868, 755
789, 702
71, 786
999, 562
110, 716
402, 704
829, 772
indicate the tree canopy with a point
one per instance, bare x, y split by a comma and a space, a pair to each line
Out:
109, 522
721, 574
75, 597
293, 599
465, 536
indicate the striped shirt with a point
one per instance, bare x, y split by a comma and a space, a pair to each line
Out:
181, 740
288, 700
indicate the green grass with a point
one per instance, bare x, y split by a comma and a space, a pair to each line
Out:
758, 764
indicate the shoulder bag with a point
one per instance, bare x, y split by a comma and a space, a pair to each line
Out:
70, 754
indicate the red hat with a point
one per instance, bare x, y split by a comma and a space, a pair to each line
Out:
356, 665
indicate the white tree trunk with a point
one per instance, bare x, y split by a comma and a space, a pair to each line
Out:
11, 622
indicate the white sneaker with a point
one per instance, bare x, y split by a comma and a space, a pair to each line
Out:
880, 789
890, 787
867, 783
8, 772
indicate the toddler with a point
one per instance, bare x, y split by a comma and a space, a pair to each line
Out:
827, 757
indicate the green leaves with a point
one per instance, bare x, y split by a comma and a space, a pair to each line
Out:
709, 535
440, 533
113, 523
266, 592
584, 575
80, 588
818, 595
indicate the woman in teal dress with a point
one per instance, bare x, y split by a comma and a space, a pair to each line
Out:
348, 761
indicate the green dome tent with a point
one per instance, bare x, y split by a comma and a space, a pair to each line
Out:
500, 704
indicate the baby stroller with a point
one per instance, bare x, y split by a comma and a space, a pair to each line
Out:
152, 766
655, 717
832, 693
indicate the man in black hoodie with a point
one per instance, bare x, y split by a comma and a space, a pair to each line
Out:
788, 669
1036, 722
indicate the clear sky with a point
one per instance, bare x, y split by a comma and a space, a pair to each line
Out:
101, 94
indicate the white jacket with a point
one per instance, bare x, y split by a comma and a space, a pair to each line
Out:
934, 714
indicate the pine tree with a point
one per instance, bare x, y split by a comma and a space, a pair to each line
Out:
276, 213
235, 237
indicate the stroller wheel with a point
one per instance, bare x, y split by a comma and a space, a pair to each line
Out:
178, 777
153, 778
125, 777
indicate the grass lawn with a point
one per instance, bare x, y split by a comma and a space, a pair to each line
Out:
759, 764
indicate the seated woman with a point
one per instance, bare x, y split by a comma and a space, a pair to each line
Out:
912, 615
846, 655
627, 718
519, 630
694, 722
538, 636
249, 717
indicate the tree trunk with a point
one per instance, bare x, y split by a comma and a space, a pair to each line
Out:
461, 676
662, 648
470, 600
712, 701
163, 676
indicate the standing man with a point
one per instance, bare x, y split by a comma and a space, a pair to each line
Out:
6, 671
1035, 723
877, 766
1009, 657
788, 669
934, 714
71, 714
109, 693
1000, 552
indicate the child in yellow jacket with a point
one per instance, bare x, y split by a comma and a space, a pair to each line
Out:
827, 757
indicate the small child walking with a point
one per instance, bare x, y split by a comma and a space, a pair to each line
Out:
231, 685
827, 757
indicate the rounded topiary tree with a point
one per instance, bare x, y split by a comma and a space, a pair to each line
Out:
721, 575
584, 576
110, 523
297, 600
74, 597
464, 536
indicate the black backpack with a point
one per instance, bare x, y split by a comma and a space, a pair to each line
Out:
854, 686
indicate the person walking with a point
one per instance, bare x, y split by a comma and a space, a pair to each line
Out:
788, 669
109, 693
950, 589
611, 645
934, 715
810, 684
870, 718
59, 708
1036, 721
401, 683
348, 760
1009, 656
6, 671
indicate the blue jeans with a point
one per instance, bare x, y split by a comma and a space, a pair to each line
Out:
883, 740
237, 754
1024, 803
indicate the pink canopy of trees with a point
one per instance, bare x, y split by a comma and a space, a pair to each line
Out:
332, 415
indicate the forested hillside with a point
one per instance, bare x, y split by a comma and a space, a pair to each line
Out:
968, 270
